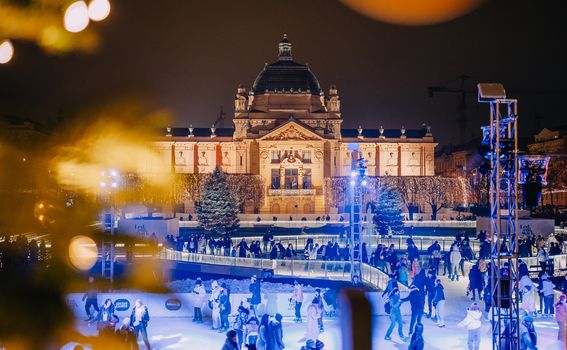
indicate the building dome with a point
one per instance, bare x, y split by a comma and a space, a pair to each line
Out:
286, 75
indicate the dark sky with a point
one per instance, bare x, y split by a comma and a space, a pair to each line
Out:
189, 56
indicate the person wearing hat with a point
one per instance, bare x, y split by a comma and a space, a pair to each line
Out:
561, 316
528, 335
472, 323
199, 294
231, 343
395, 315
417, 303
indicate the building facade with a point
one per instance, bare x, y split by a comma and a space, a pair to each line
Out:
288, 131
553, 142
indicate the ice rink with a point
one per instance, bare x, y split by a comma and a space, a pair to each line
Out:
181, 333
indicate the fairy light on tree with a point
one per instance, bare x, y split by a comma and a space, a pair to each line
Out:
99, 10
76, 18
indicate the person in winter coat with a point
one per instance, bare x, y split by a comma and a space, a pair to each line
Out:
434, 252
439, 303
231, 343
312, 317
225, 308
430, 291
139, 321
321, 306
528, 299
476, 282
275, 334
239, 324
127, 336
548, 294
419, 281
416, 301
263, 332
395, 315
199, 294
256, 298
251, 333
528, 335
403, 273
472, 323
297, 298
414, 268
455, 258
416, 342
106, 319
91, 297
214, 305
561, 316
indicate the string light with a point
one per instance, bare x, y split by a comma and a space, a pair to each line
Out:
99, 10
76, 17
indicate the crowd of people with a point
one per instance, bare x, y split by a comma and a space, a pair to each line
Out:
244, 326
18, 251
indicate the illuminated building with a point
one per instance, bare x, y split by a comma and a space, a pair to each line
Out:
287, 130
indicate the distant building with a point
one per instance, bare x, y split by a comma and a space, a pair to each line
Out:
459, 160
553, 142
288, 131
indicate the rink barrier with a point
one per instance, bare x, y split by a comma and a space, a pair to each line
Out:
559, 261
182, 304
334, 270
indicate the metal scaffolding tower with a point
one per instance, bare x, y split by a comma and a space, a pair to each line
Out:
358, 183
500, 139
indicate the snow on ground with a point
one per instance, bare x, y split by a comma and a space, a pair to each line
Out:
181, 333
236, 286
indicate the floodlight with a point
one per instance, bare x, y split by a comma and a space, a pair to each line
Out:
488, 92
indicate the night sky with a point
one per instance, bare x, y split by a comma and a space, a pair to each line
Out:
189, 57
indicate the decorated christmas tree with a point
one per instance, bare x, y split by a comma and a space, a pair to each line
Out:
387, 210
217, 210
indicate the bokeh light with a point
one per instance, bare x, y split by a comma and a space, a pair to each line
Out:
6, 51
99, 9
413, 12
76, 17
83, 252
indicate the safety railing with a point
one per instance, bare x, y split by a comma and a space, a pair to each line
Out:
559, 263
399, 242
333, 270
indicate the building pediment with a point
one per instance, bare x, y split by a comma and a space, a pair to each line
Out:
291, 131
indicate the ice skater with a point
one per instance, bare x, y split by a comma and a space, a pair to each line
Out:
395, 315
472, 323
214, 305
439, 303
321, 306
91, 297
256, 298
297, 298
199, 294
139, 321
313, 313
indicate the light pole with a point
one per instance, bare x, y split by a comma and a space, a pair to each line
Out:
358, 183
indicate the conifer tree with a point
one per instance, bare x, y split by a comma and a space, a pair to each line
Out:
218, 210
387, 210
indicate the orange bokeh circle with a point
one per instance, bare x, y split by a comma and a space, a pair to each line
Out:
413, 12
